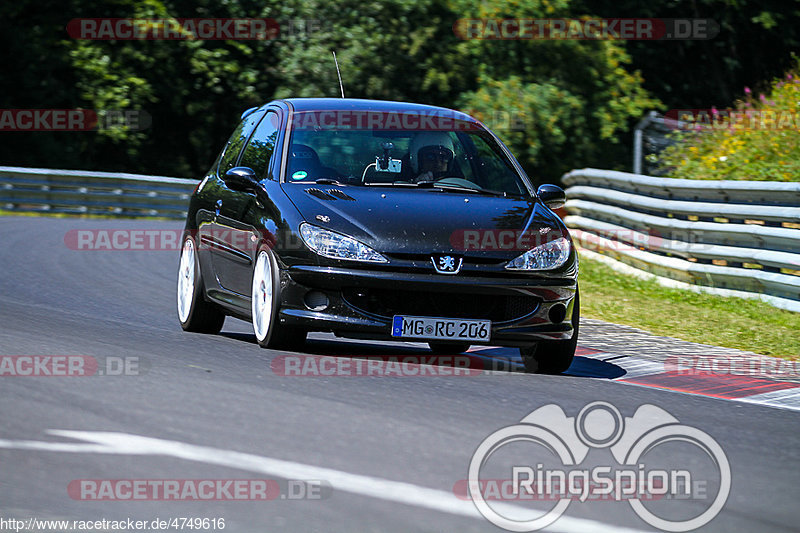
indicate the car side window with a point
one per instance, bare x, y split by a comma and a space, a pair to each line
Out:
237, 140
261, 147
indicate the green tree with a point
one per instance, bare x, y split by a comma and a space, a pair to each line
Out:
578, 98
194, 90
558, 104
755, 42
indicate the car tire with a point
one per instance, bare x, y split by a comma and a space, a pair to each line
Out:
195, 313
265, 305
448, 348
553, 357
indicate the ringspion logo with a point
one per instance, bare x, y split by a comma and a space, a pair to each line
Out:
543, 458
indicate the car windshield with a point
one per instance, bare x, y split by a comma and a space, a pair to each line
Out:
398, 150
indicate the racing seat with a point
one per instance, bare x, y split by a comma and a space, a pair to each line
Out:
303, 158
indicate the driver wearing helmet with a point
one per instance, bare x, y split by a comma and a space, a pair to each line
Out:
430, 155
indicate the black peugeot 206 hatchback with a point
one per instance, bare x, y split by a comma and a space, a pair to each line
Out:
379, 220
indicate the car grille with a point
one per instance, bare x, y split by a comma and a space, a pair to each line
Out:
387, 303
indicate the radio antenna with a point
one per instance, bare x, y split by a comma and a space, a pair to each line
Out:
341, 87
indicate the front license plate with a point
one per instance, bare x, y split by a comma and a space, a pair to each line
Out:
420, 327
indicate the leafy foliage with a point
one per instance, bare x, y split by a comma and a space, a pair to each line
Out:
760, 140
574, 97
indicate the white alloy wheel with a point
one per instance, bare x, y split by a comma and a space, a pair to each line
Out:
262, 299
186, 280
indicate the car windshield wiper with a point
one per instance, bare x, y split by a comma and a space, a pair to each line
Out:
327, 181
390, 184
458, 188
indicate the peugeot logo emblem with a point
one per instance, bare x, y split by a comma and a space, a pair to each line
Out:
446, 264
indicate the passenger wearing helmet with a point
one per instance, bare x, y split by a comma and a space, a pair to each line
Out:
430, 155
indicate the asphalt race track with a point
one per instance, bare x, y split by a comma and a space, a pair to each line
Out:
387, 450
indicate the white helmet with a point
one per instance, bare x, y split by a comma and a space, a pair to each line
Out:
428, 138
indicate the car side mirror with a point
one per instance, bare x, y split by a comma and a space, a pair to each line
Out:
241, 179
552, 196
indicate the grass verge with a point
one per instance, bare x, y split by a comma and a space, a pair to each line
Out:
731, 322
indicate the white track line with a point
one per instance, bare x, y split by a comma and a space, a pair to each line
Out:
785, 399
370, 486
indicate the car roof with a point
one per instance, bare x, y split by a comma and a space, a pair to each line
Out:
357, 104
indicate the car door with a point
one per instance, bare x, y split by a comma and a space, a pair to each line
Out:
241, 208
218, 235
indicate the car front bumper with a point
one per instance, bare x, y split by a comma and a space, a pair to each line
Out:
523, 309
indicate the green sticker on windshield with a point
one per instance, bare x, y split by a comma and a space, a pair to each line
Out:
300, 175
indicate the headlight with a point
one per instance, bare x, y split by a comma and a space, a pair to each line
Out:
338, 246
549, 255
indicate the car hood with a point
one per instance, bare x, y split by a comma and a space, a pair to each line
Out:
402, 221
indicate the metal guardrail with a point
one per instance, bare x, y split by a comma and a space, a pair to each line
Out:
730, 235
100, 193
729, 191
